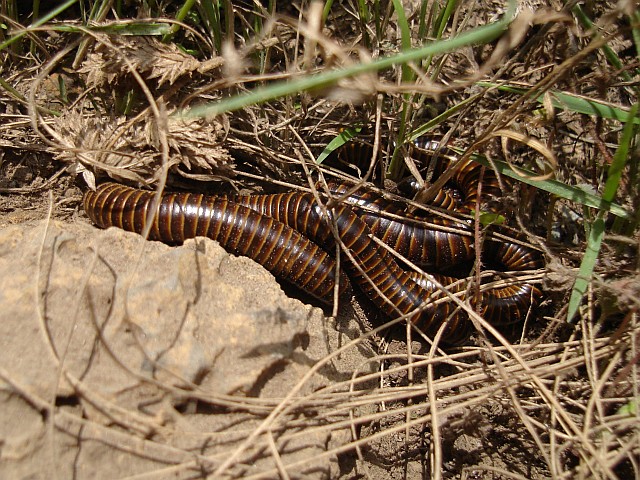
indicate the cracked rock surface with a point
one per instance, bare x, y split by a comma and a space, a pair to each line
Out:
172, 355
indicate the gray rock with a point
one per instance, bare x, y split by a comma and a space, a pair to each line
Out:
121, 343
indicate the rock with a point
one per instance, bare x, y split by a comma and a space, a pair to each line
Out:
117, 340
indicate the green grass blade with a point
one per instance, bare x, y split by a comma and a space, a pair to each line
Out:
443, 19
594, 241
211, 17
405, 30
328, 79
422, 20
363, 14
180, 16
596, 234
408, 76
338, 142
567, 101
325, 11
99, 11
574, 194
635, 31
133, 28
614, 174
575, 103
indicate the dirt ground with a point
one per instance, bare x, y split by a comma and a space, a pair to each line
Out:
125, 352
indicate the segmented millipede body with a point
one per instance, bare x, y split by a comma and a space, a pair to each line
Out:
375, 271
405, 292
408, 235
444, 242
273, 230
446, 198
263, 237
466, 177
431, 246
499, 305
279, 248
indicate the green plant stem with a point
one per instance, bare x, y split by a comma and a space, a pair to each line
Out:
408, 76
596, 232
180, 16
328, 79
326, 10
52, 14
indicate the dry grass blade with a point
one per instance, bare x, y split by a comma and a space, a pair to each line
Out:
550, 165
130, 150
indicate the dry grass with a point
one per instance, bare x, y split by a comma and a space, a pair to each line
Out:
562, 401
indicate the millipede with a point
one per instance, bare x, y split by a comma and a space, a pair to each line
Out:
283, 233
278, 247
432, 246
466, 176
432, 241
500, 305
429, 157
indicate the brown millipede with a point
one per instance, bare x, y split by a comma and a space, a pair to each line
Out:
243, 230
279, 248
283, 231
431, 246
499, 305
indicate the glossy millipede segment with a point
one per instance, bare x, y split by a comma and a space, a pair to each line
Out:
375, 271
279, 248
466, 176
433, 246
500, 305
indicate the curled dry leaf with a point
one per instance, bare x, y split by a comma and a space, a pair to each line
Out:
131, 150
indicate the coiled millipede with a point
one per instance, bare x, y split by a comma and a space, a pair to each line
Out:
283, 231
279, 248
441, 244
